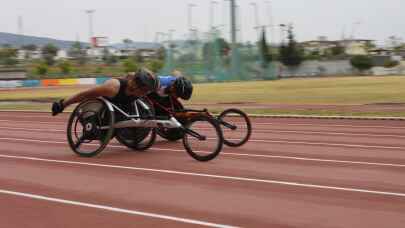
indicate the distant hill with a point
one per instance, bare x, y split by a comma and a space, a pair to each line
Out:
16, 40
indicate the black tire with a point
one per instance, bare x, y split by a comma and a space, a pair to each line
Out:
171, 134
194, 152
138, 138
90, 121
239, 120
133, 138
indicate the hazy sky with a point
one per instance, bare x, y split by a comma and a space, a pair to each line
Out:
139, 20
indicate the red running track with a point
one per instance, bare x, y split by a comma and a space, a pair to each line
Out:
293, 173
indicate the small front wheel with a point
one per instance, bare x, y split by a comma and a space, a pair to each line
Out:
203, 138
236, 127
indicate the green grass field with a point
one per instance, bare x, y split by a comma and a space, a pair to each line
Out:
301, 91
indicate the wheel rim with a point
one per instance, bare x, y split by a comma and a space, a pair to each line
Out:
89, 128
241, 133
207, 148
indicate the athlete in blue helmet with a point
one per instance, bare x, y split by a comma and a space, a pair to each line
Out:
175, 85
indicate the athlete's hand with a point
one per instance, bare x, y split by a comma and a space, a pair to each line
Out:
57, 107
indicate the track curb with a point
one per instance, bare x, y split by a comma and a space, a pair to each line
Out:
275, 116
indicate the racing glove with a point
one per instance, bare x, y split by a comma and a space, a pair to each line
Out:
57, 107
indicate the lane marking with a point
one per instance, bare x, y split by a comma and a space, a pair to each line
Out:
314, 143
256, 131
30, 129
234, 154
333, 125
255, 123
114, 209
327, 144
328, 133
234, 178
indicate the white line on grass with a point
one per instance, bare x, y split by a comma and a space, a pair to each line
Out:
267, 181
114, 209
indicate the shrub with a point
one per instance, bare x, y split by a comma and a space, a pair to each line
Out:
65, 67
390, 63
41, 69
155, 65
130, 65
361, 62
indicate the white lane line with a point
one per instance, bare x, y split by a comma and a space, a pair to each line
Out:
332, 125
33, 121
326, 144
234, 178
255, 131
300, 158
30, 129
233, 154
318, 160
114, 209
328, 133
314, 143
254, 123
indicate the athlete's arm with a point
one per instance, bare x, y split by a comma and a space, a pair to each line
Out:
109, 89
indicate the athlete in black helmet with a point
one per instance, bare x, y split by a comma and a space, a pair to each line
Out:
120, 91
183, 88
175, 85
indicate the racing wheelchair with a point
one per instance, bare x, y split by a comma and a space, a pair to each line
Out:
235, 124
94, 122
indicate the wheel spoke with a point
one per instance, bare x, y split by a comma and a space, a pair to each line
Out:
79, 142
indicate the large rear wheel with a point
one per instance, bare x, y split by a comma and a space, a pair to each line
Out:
90, 128
138, 138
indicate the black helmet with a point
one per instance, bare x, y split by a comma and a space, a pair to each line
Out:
146, 79
183, 87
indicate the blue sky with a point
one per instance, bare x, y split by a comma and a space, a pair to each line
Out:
139, 20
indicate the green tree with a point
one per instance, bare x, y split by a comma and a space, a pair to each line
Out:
291, 54
390, 63
130, 65
361, 62
65, 67
155, 65
265, 51
8, 56
161, 53
41, 69
78, 53
49, 52
337, 50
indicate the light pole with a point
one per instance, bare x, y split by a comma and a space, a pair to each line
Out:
271, 22
190, 20
212, 12
234, 46
90, 14
257, 23
354, 28
282, 30
170, 34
